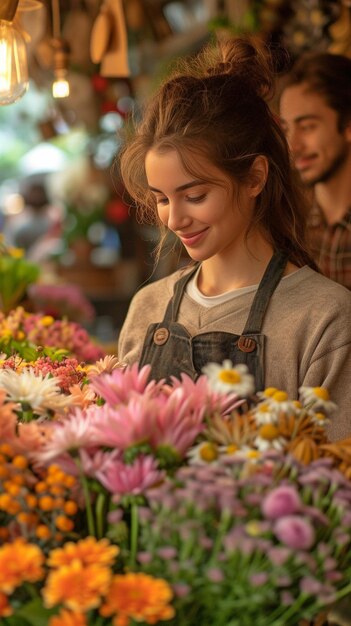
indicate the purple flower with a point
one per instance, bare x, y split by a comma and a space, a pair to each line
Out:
310, 586
282, 501
279, 555
286, 598
167, 552
295, 532
181, 589
144, 557
215, 575
258, 579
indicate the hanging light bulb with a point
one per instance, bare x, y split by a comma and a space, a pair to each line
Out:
60, 86
13, 56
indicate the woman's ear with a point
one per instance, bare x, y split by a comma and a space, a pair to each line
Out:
257, 176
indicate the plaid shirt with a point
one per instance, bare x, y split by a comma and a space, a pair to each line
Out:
330, 245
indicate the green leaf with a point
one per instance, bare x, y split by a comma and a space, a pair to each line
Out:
15, 620
33, 614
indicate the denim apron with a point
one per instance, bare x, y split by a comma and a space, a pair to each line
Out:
171, 350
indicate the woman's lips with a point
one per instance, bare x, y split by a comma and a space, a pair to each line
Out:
192, 239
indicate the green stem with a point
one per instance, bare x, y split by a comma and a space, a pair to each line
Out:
223, 527
88, 507
134, 523
343, 592
290, 611
99, 510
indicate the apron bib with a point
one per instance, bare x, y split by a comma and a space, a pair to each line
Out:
171, 350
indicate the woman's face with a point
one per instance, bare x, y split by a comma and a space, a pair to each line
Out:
209, 218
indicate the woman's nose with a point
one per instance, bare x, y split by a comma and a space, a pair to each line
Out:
177, 216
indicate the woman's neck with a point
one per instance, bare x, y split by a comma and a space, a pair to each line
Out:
234, 269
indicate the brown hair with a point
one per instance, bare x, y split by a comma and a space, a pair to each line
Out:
214, 105
328, 75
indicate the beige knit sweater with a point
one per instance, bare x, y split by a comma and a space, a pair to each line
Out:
307, 328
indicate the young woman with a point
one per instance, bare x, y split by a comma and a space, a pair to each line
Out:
210, 163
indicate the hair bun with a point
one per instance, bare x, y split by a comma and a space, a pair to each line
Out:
247, 58
224, 67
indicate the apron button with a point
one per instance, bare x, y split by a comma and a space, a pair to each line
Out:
160, 336
246, 344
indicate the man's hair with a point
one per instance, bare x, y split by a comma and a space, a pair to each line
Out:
328, 75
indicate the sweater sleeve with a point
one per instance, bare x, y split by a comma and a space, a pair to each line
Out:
148, 306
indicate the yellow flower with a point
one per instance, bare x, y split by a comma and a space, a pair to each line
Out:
139, 597
76, 586
88, 551
16, 253
47, 320
253, 528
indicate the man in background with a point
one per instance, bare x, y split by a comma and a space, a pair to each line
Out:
315, 109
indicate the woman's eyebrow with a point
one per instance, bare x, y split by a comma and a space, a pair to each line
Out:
193, 183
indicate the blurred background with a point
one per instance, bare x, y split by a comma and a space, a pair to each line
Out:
84, 68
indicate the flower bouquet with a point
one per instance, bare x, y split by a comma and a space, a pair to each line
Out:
32, 335
128, 501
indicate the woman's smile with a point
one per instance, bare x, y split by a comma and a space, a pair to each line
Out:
192, 239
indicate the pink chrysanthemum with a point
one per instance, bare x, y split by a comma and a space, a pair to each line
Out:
75, 432
116, 388
122, 479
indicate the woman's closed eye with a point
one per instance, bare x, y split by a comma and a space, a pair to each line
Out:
197, 199
162, 201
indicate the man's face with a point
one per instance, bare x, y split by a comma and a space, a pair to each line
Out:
320, 150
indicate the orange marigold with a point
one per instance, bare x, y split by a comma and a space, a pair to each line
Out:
140, 597
88, 551
19, 562
5, 608
77, 586
68, 618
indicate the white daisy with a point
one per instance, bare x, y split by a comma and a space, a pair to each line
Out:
319, 418
204, 453
229, 378
269, 438
318, 398
265, 413
40, 392
248, 454
279, 401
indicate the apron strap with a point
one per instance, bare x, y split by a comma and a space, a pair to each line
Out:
171, 313
268, 283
